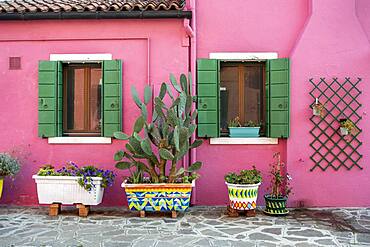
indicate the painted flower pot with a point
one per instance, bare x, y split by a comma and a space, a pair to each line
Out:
244, 131
243, 196
344, 131
275, 206
158, 197
1, 186
66, 190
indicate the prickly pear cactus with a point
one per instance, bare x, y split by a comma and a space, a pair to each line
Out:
164, 138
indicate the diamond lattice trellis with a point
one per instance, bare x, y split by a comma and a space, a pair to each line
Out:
340, 99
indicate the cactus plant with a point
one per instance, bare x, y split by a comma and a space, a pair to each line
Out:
162, 139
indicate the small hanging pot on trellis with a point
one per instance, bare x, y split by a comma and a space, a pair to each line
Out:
346, 126
318, 108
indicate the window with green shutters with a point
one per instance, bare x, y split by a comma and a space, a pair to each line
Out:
80, 99
272, 105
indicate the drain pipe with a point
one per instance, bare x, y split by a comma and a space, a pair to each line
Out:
190, 28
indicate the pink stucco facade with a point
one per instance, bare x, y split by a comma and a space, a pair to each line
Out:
322, 38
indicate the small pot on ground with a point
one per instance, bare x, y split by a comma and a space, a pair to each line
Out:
9, 166
275, 206
243, 189
280, 188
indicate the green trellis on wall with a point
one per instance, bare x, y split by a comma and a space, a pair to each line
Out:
340, 101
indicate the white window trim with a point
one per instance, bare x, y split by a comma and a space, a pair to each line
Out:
252, 141
79, 140
243, 55
80, 57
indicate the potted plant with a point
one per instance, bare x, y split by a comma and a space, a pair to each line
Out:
155, 147
248, 129
72, 185
243, 189
318, 109
9, 166
346, 126
280, 188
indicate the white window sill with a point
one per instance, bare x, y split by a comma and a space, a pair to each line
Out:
79, 140
251, 141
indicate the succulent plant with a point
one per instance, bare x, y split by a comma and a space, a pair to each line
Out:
162, 139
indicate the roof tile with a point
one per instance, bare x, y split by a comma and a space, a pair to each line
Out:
21, 6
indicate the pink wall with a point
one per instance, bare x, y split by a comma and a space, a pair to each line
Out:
333, 44
328, 38
243, 26
135, 42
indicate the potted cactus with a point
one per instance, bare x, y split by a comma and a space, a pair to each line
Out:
155, 147
9, 166
280, 188
243, 189
248, 129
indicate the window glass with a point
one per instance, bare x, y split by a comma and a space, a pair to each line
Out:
82, 99
241, 93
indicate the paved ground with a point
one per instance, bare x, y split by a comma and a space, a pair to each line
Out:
200, 226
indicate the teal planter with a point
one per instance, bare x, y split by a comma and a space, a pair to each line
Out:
244, 131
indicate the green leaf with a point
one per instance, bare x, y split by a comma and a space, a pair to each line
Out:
175, 84
144, 112
139, 124
119, 155
162, 92
194, 115
135, 96
195, 167
121, 136
123, 165
147, 94
192, 128
180, 172
165, 154
176, 138
169, 91
184, 83
196, 143
130, 148
145, 145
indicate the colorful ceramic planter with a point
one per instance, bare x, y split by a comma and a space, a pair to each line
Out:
66, 190
244, 132
243, 196
275, 206
1, 186
158, 197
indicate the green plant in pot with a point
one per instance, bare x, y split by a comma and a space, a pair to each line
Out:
347, 127
9, 166
248, 129
243, 188
155, 147
280, 188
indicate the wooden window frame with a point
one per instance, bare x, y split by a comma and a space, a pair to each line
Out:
87, 110
241, 85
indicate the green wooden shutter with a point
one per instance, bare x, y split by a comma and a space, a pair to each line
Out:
277, 90
208, 98
47, 108
60, 99
112, 97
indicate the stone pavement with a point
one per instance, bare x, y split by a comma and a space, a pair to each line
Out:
200, 226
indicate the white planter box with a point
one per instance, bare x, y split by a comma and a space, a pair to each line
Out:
66, 190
